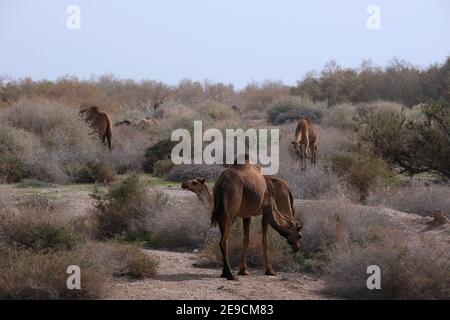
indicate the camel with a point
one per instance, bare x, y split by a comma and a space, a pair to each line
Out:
150, 121
100, 121
305, 137
123, 123
201, 189
242, 191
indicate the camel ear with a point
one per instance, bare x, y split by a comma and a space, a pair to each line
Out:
201, 180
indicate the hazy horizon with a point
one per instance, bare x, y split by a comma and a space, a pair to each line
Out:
230, 42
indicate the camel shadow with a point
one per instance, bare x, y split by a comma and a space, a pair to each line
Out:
184, 277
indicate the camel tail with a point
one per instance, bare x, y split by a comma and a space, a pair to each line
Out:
108, 132
218, 207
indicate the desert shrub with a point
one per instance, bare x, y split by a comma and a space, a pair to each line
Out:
181, 224
26, 274
216, 110
406, 271
12, 168
332, 141
60, 137
414, 146
130, 144
183, 172
340, 116
123, 208
159, 151
293, 108
162, 167
38, 229
257, 97
122, 260
94, 172
361, 172
416, 198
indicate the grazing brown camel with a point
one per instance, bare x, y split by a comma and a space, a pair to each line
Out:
305, 137
100, 121
242, 191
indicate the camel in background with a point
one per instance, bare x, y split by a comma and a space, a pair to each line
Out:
150, 121
236, 109
305, 137
242, 191
100, 121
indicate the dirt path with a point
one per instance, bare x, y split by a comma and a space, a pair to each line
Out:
178, 278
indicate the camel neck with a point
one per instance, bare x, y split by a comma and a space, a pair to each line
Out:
278, 222
207, 197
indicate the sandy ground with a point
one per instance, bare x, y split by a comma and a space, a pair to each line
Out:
178, 278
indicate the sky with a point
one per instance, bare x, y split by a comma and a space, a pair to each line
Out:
231, 41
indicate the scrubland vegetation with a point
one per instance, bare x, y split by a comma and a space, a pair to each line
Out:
383, 141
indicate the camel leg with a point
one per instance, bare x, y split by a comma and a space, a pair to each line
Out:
313, 154
304, 160
225, 231
246, 225
265, 223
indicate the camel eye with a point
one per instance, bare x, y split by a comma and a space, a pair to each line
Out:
194, 183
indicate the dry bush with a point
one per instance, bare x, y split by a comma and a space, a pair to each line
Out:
280, 253
416, 198
410, 269
332, 141
340, 116
93, 172
36, 275
12, 167
183, 172
122, 260
37, 227
330, 223
130, 144
216, 110
123, 209
58, 135
257, 97
159, 151
179, 224
162, 168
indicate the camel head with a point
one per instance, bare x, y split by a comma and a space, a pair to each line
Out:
90, 111
297, 147
294, 235
197, 186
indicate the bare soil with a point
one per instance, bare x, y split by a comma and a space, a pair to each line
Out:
178, 277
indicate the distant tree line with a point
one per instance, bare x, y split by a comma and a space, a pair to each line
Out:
399, 81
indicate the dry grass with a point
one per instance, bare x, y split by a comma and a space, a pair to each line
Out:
415, 198
409, 269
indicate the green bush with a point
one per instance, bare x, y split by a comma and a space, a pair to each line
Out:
415, 146
293, 108
42, 236
122, 209
159, 151
361, 172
